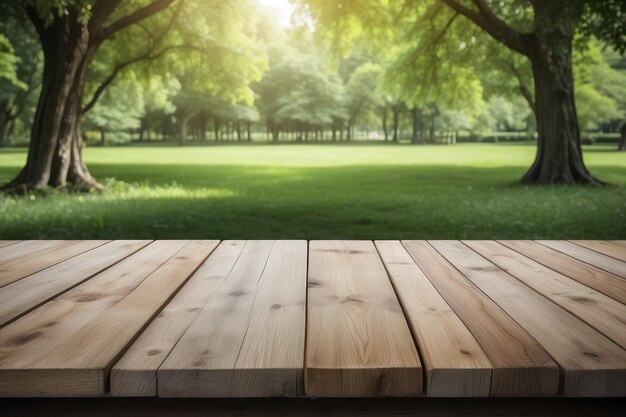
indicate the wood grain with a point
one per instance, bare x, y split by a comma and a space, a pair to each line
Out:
25, 247
248, 340
4, 243
455, 364
136, 373
599, 311
358, 341
522, 368
32, 337
21, 266
80, 365
596, 278
591, 364
613, 248
20, 297
591, 257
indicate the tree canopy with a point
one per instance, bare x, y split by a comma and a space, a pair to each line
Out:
426, 71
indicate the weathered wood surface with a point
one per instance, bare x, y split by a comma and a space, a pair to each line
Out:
599, 311
612, 265
235, 319
28, 263
455, 364
24, 295
614, 248
596, 278
80, 364
248, 340
521, 367
4, 243
591, 364
358, 342
136, 373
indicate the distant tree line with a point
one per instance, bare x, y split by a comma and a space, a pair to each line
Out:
426, 72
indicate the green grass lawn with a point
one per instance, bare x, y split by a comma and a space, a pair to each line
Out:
357, 191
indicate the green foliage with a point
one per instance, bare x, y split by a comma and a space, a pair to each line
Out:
222, 61
119, 109
362, 89
48, 9
600, 89
8, 65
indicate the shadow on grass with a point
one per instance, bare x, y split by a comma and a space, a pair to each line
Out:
348, 202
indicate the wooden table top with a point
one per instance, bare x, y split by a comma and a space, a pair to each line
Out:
291, 318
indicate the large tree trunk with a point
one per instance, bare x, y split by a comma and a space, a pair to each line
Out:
622, 140
559, 156
54, 153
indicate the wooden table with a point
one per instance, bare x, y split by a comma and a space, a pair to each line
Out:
291, 318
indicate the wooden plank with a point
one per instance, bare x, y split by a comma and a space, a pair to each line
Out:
592, 277
248, 340
32, 337
4, 243
135, 375
589, 256
20, 297
455, 364
599, 311
24, 248
591, 364
613, 248
358, 341
522, 368
81, 364
29, 263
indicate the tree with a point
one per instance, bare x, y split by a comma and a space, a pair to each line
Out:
225, 58
70, 33
119, 109
548, 44
361, 91
600, 87
545, 38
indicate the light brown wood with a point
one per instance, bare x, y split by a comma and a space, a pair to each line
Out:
136, 373
358, 341
25, 247
455, 364
4, 243
591, 257
183, 319
592, 277
599, 311
613, 248
522, 368
29, 263
248, 340
83, 361
32, 337
591, 364
20, 297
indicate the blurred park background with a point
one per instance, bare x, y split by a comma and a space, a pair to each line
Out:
263, 119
